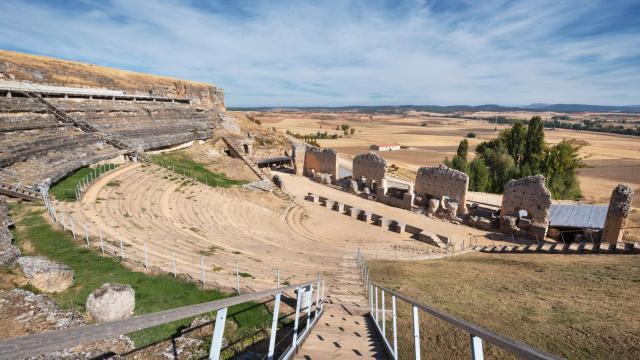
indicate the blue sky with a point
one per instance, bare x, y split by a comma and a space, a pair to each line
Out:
369, 52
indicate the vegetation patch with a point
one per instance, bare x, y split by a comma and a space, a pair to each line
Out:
183, 164
153, 293
65, 189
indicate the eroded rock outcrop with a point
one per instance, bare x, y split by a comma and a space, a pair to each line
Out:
45, 275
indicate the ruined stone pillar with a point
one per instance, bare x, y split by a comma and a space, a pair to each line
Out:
617, 213
297, 158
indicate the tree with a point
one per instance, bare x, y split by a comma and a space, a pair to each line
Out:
459, 161
478, 175
515, 140
352, 131
559, 166
534, 147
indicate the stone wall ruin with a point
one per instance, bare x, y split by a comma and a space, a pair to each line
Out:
297, 157
617, 213
321, 161
371, 166
531, 195
441, 181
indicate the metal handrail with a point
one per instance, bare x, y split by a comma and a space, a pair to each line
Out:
477, 334
25, 346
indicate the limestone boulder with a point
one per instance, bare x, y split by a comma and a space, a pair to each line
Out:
9, 254
432, 206
46, 275
111, 302
451, 210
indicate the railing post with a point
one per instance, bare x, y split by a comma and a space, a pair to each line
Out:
384, 319
274, 327
416, 332
322, 296
121, 249
218, 331
310, 303
317, 298
101, 241
73, 227
371, 301
395, 330
476, 348
377, 309
295, 323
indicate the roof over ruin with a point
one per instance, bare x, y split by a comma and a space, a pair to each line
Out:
578, 215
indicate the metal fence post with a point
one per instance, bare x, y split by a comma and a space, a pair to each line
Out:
377, 317
277, 278
322, 296
121, 249
310, 303
395, 330
371, 301
237, 278
317, 298
173, 260
101, 241
218, 331
73, 227
146, 258
476, 348
384, 333
416, 332
274, 327
86, 235
204, 281
295, 323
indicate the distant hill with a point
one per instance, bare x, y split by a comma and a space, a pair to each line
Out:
566, 108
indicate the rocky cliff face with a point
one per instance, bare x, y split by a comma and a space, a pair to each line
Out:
39, 69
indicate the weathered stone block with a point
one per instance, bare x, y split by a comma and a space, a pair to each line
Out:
111, 302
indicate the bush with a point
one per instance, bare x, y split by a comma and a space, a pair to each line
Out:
471, 135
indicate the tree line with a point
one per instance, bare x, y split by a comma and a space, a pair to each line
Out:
518, 152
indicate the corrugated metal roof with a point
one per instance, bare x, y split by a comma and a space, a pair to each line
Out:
579, 215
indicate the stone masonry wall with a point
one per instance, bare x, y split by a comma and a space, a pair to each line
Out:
619, 205
529, 194
439, 181
371, 166
321, 161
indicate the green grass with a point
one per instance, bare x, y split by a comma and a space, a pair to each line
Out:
65, 190
182, 163
153, 293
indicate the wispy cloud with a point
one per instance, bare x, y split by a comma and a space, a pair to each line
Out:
353, 52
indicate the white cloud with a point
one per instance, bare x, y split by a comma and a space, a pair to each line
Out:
344, 53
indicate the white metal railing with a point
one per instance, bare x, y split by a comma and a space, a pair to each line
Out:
31, 345
377, 311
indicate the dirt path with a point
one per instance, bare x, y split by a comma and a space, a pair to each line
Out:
344, 331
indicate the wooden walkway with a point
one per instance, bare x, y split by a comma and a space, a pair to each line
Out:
345, 330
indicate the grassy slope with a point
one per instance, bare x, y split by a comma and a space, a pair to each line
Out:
153, 293
573, 306
182, 163
65, 189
